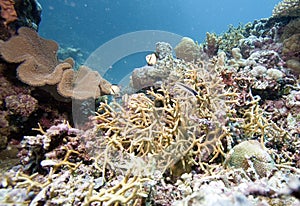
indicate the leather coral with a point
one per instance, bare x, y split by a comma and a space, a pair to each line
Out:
37, 57
39, 65
83, 84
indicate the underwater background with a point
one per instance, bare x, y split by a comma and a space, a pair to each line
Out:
88, 24
209, 115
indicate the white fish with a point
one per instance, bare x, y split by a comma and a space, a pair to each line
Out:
151, 59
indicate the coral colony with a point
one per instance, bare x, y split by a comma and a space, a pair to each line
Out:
218, 124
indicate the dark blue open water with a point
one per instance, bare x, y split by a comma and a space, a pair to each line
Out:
88, 24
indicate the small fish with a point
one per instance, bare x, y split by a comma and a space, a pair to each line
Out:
187, 88
151, 59
114, 89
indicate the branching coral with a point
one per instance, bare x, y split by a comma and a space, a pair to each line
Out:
127, 191
212, 43
287, 8
173, 123
230, 39
255, 123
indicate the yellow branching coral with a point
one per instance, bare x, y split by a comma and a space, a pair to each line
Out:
256, 124
287, 8
128, 191
180, 121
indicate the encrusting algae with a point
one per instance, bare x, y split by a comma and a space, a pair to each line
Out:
214, 126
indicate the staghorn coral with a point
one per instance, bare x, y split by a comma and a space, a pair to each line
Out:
287, 8
128, 191
155, 123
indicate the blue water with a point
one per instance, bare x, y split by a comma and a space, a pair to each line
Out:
88, 24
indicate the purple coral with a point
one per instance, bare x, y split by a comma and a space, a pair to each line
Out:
51, 144
22, 104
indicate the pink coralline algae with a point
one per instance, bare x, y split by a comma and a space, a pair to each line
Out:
22, 104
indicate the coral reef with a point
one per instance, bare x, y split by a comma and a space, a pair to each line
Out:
35, 85
48, 147
287, 8
163, 50
221, 189
290, 52
217, 125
